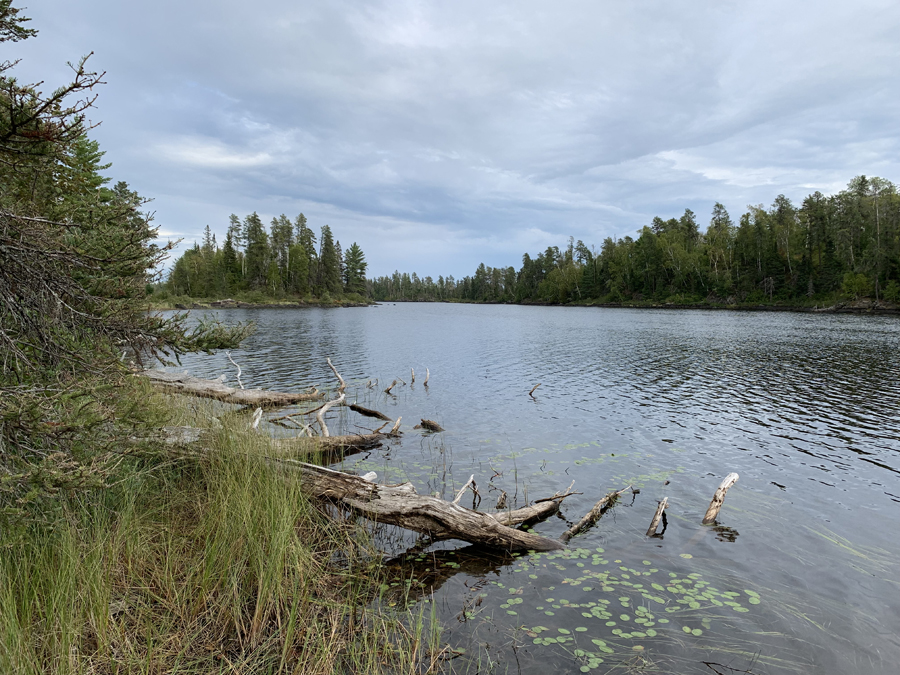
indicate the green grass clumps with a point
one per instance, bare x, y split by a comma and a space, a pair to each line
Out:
199, 563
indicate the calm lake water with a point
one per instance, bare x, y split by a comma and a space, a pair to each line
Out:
801, 574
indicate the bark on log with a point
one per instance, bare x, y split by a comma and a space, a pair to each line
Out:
181, 383
592, 516
400, 505
719, 498
662, 506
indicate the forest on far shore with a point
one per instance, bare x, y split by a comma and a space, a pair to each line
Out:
847, 243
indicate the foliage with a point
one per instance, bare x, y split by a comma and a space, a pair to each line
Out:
75, 261
781, 254
281, 262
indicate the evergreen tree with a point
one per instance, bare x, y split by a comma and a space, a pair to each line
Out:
257, 253
329, 271
355, 269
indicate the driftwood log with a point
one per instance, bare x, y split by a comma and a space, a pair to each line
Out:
401, 505
719, 498
181, 383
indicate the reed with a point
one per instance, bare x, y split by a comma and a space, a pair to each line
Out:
190, 564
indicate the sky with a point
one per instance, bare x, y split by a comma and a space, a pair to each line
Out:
438, 135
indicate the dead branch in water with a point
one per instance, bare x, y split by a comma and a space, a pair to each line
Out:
337, 375
531, 393
388, 390
654, 524
719, 498
592, 516
355, 407
228, 354
320, 416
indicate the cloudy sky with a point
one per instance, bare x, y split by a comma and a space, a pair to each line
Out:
439, 135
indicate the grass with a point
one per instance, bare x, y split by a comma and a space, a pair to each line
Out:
216, 563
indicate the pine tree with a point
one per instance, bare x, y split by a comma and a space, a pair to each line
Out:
257, 252
329, 269
355, 269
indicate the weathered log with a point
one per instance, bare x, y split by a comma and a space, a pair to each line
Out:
181, 383
355, 407
592, 516
719, 498
429, 425
654, 524
400, 505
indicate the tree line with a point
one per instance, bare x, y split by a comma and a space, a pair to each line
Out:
847, 243
282, 261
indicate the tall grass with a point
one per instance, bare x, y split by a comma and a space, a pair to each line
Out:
198, 564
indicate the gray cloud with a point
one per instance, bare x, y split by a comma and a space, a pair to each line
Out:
438, 135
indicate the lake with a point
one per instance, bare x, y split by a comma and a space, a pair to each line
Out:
800, 574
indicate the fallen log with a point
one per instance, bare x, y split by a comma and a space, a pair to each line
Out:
592, 516
719, 498
401, 505
181, 383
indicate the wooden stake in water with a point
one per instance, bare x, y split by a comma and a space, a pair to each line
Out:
719, 498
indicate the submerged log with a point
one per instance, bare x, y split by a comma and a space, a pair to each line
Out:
401, 505
181, 383
355, 407
592, 516
719, 498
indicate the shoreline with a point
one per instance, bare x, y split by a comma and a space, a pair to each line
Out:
860, 307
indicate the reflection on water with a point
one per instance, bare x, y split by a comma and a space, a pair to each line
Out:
806, 408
